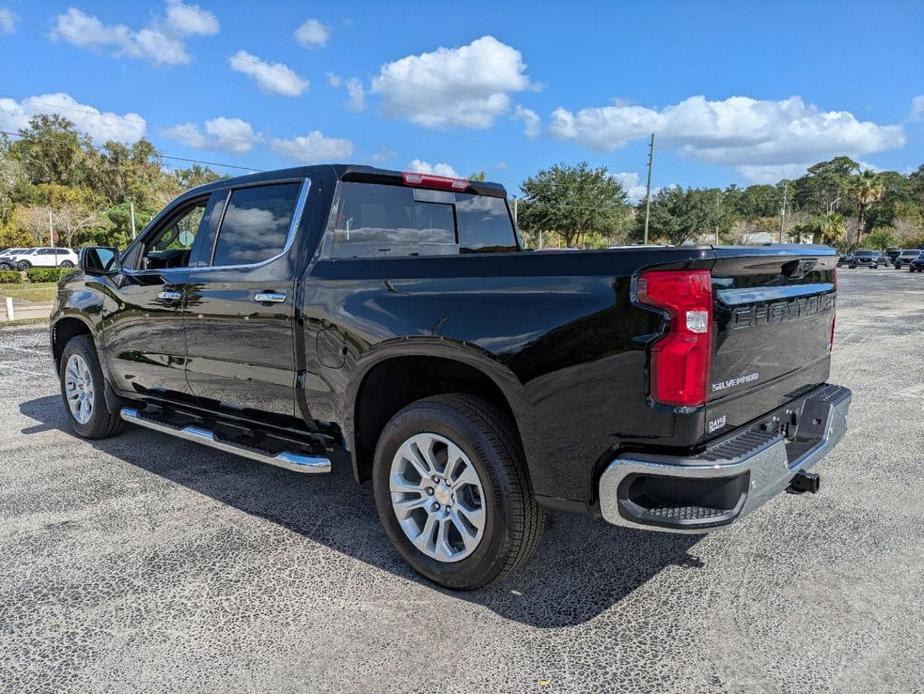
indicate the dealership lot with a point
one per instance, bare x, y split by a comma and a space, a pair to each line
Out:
144, 563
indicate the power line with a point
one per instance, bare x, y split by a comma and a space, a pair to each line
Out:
101, 148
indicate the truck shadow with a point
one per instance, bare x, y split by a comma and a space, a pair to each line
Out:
582, 568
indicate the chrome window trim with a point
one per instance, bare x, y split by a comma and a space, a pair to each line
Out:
297, 213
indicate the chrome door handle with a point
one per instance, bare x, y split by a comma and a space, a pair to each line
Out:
269, 297
170, 295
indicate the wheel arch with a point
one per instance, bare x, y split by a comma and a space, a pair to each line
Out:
63, 331
396, 376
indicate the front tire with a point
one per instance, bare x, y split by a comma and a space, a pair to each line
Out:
23, 265
452, 491
82, 387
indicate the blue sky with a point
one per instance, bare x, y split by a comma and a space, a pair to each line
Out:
737, 92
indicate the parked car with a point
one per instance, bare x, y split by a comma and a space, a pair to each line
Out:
8, 257
47, 257
11, 258
843, 260
890, 254
905, 257
917, 265
865, 258
285, 315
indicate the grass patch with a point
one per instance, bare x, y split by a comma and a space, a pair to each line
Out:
43, 292
22, 321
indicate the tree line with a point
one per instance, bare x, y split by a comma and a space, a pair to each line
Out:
53, 179
836, 202
52, 176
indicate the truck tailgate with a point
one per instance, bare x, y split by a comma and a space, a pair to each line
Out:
773, 316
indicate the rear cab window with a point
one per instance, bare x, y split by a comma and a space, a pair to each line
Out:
256, 225
372, 220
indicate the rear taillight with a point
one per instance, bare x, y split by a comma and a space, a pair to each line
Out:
420, 180
680, 360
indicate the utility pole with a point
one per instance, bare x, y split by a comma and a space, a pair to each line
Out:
648, 193
51, 237
783, 209
131, 209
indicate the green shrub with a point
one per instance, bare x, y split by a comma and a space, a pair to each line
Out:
10, 277
48, 274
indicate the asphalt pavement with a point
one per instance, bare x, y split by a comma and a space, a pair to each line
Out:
145, 563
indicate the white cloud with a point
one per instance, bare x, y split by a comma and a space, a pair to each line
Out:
189, 20
161, 43
312, 34
501, 165
313, 147
383, 155
917, 108
333, 80
754, 136
231, 135
101, 126
771, 173
357, 100
468, 86
438, 169
531, 122
632, 184
8, 21
275, 78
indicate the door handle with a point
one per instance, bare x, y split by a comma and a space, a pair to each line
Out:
269, 297
170, 295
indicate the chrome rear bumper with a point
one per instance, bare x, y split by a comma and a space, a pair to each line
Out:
729, 479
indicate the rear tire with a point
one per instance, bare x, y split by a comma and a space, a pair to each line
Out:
83, 387
67, 263
458, 431
23, 265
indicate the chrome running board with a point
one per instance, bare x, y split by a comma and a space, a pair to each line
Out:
297, 462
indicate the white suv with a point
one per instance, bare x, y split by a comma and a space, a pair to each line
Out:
38, 257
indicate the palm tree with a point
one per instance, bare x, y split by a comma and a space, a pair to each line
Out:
866, 188
828, 229
831, 228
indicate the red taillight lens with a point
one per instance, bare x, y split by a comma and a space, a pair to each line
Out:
680, 360
420, 180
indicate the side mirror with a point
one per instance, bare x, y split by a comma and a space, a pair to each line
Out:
99, 260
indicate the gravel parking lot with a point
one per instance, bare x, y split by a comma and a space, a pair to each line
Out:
144, 563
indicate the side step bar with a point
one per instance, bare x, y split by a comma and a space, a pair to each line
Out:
297, 462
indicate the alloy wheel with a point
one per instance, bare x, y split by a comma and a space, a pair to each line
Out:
78, 388
437, 497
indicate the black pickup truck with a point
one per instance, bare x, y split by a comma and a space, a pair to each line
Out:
286, 315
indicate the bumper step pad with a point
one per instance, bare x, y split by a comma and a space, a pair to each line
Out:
731, 477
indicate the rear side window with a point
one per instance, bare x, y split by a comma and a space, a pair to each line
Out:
256, 224
484, 224
382, 221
